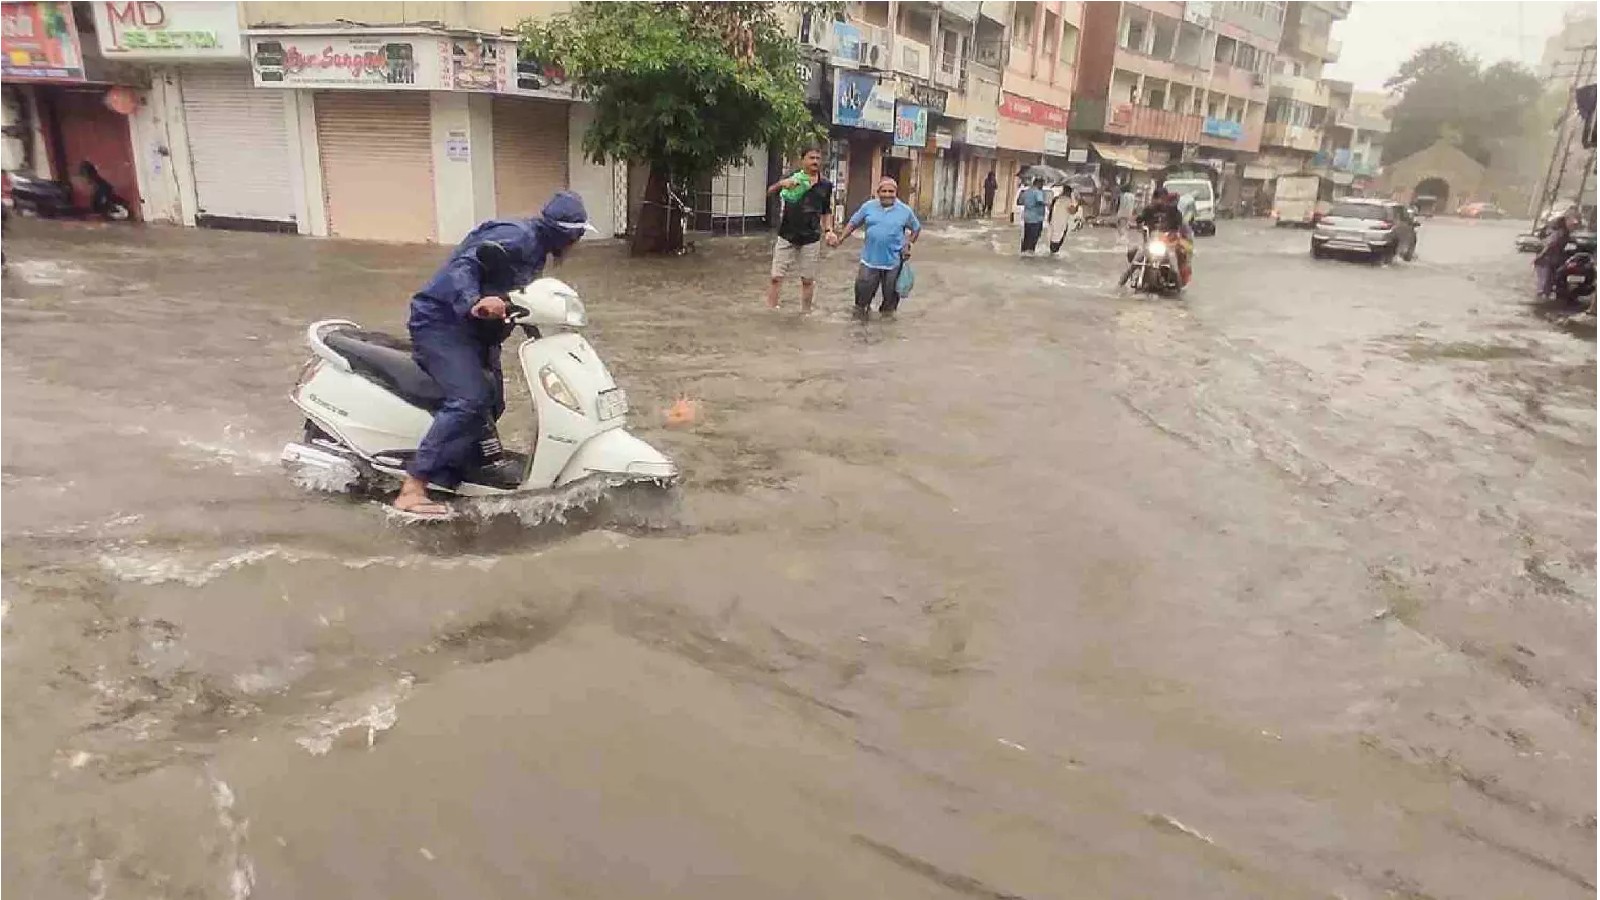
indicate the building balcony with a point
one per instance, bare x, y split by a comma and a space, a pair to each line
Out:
1249, 140
1317, 44
1238, 82
950, 72
1153, 124
913, 58
965, 11
1295, 137
1306, 90
1152, 67
1361, 121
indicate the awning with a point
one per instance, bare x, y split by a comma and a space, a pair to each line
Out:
1120, 158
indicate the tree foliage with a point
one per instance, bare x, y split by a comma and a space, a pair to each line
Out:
1445, 92
684, 87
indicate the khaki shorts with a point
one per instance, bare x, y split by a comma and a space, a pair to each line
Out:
802, 260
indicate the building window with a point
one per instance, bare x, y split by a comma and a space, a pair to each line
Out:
1052, 29
1134, 33
1069, 44
1022, 26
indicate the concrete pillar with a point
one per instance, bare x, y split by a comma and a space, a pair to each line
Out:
156, 161
305, 164
595, 183
463, 189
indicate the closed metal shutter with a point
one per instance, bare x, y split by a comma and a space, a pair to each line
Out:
530, 154
238, 146
377, 164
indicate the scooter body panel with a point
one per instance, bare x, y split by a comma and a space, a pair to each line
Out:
561, 430
360, 413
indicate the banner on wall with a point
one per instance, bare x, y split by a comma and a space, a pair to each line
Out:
860, 101
371, 62
910, 125
41, 43
982, 132
1022, 109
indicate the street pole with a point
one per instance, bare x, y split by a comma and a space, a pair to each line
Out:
1550, 194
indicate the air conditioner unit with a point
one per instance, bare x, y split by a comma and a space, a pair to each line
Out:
874, 56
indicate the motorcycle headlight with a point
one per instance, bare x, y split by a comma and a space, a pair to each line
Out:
577, 316
556, 389
1157, 248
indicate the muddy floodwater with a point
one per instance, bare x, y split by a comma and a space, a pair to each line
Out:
1039, 591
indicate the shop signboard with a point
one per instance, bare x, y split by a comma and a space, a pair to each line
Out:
943, 139
931, 98
200, 29
982, 132
846, 45
910, 125
1078, 155
536, 78
40, 42
1227, 129
1055, 143
396, 62
810, 72
860, 101
479, 65
1014, 106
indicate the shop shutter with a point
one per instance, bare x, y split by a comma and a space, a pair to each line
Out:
238, 145
377, 164
530, 154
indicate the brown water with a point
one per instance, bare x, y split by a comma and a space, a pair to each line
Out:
1285, 590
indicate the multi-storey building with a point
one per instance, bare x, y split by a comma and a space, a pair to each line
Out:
1352, 144
1167, 82
1040, 71
913, 94
1298, 108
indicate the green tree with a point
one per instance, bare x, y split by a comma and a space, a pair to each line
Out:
685, 88
1443, 91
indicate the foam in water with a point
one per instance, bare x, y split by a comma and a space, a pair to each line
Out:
376, 712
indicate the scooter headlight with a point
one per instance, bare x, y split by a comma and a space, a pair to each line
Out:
556, 389
577, 316
1157, 248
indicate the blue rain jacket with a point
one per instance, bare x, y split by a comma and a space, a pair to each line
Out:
447, 299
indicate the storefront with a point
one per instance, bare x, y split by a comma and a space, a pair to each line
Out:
978, 138
373, 124
909, 162
1027, 129
532, 116
235, 147
66, 116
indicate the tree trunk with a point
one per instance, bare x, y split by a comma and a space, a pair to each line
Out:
660, 223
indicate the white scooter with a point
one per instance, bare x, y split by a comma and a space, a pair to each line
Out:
367, 405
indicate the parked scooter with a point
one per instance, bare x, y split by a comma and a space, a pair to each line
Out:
1575, 276
367, 405
33, 196
1153, 265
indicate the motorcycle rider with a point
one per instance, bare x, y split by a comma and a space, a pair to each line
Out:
1551, 255
457, 324
1164, 217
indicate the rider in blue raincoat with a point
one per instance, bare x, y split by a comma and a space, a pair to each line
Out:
457, 325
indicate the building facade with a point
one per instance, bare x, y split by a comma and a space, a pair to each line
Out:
1298, 108
1162, 83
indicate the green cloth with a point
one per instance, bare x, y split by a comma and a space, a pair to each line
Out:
802, 183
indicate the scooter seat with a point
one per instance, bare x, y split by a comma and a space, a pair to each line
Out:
386, 360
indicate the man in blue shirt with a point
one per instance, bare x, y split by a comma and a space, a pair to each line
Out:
1034, 204
888, 222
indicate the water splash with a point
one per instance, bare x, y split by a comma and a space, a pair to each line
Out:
376, 711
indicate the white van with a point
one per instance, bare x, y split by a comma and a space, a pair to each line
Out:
1295, 200
1197, 188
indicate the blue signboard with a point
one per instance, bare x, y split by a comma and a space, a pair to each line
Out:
846, 44
859, 101
910, 125
1227, 129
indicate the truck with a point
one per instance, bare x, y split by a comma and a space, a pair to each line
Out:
1299, 199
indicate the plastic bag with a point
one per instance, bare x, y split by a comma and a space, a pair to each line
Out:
906, 280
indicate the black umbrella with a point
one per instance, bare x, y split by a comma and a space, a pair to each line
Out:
1050, 174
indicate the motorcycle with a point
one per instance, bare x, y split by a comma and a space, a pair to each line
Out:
31, 196
1153, 265
1575, 276
367, 405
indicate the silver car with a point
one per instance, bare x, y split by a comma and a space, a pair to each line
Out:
1377, 229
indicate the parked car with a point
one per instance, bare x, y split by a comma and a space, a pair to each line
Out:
1480, 211
1377, 229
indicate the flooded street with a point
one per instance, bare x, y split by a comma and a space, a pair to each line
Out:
1039, 591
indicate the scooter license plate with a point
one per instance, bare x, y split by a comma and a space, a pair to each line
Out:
1574, 279
613, 403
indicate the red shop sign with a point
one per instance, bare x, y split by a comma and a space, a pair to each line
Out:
1025, 110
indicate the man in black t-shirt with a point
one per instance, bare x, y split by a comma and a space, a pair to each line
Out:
800, 228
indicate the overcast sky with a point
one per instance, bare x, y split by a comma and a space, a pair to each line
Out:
1381, 34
